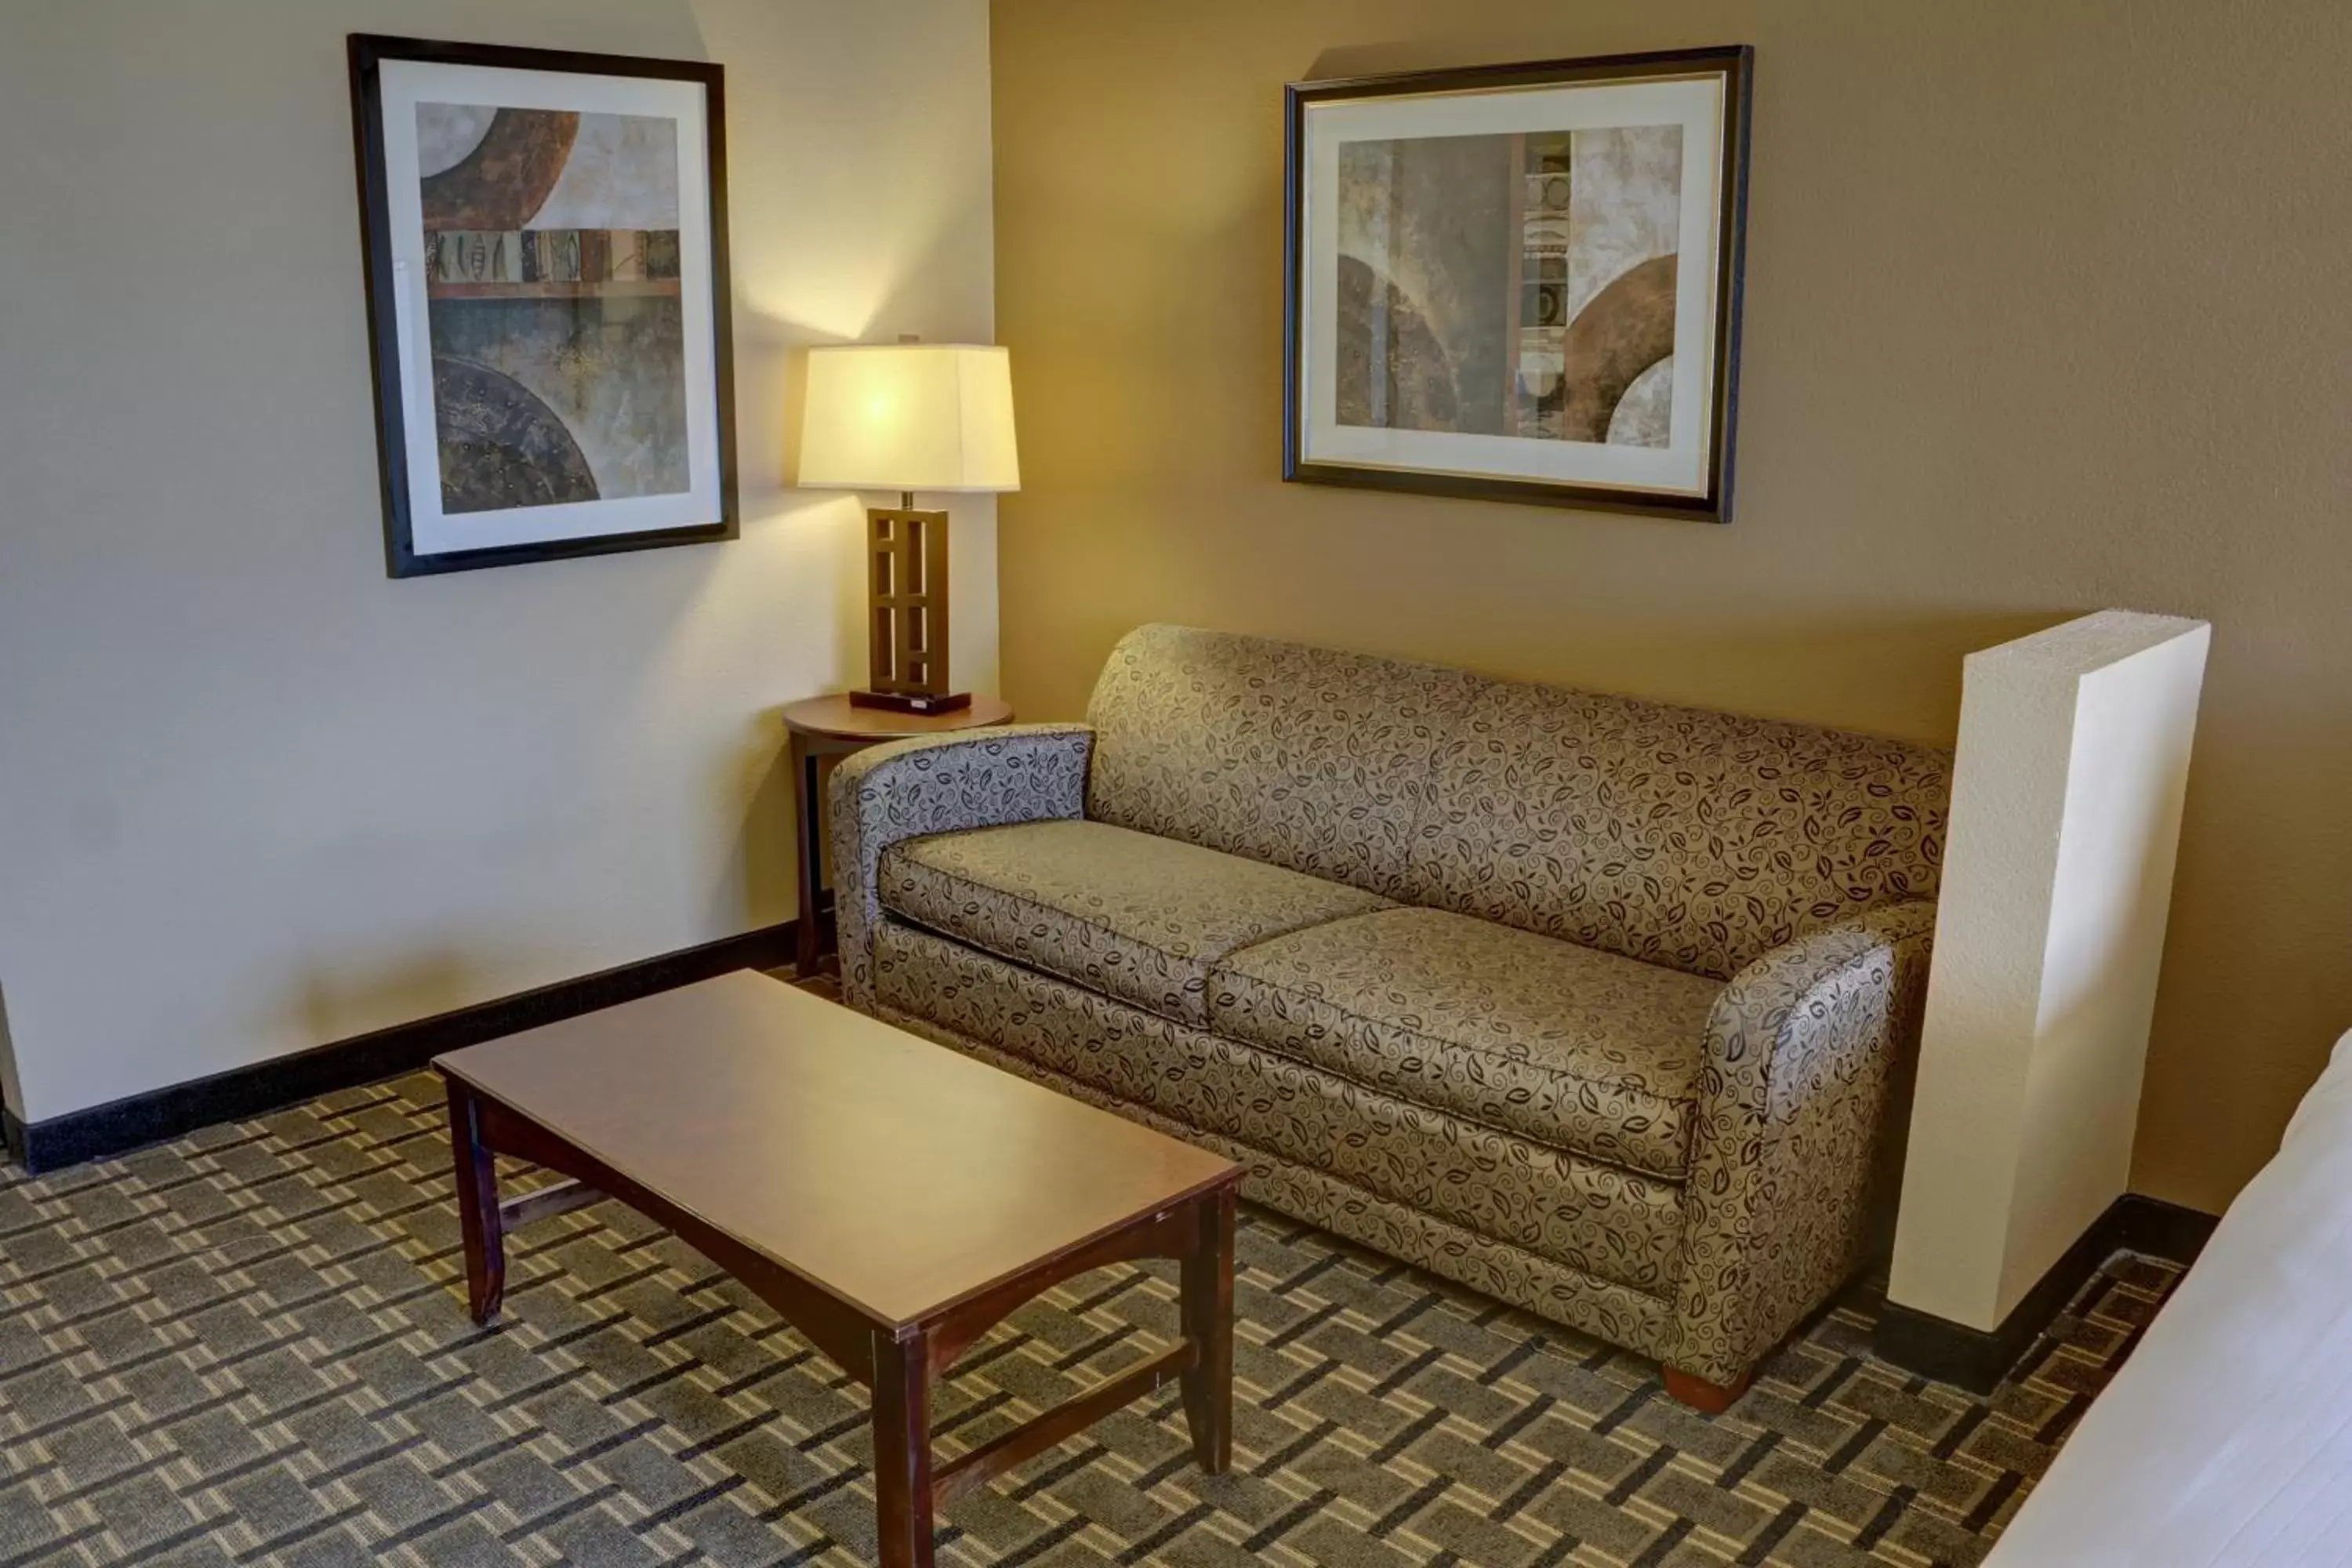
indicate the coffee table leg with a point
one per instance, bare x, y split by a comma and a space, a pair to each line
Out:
478, 1206
1209, 1323
902, 1449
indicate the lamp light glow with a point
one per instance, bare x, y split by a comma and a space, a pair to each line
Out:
909, 417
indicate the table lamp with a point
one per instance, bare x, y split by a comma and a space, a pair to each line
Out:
909, 416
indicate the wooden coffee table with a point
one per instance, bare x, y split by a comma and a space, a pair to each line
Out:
890, 1198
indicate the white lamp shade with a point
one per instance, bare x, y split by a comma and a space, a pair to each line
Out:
909, 417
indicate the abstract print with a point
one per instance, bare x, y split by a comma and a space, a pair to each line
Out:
552, 268
1518, 285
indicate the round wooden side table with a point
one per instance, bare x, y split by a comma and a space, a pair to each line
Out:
829, 727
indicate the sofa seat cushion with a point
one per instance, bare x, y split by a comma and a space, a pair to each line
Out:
1607, 1222
1568, 1046
1130, 914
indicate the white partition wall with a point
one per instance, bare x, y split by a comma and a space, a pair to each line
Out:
2074, 758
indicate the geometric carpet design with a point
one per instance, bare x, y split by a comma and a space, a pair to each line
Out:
251, 1347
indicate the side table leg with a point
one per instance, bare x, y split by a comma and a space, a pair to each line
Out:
477, 1205
902, 1449
1208, 1314
808, 807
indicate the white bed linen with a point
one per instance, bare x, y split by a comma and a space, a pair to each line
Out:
2227, 1437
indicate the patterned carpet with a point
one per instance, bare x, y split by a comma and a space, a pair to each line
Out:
251, 1348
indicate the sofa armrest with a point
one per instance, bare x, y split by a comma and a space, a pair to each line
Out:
939, 783
1791, 1118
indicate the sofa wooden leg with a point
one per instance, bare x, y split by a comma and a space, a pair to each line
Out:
1706, 1398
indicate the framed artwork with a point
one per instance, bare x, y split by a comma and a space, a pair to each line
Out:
546, 263
1520, 282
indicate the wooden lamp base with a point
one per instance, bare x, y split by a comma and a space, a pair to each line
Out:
906, 610
911, 701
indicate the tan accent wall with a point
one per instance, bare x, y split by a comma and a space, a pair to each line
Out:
2049, 309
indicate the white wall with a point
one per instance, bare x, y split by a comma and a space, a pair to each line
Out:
2065, 826
254, 795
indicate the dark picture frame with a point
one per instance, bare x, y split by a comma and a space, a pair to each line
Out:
405, 554
1708, 496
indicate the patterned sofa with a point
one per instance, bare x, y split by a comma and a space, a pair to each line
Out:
1589, 1003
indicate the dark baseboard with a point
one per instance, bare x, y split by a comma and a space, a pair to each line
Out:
2170, 1231
12, 1135
1978, 1359
163, 1114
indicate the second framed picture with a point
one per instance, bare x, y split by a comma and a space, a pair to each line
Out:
1520, 282
546, 256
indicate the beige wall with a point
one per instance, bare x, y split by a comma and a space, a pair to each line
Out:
255, 795
2046, 312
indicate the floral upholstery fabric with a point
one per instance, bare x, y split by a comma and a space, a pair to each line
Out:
937, 784
1510, 1274
1797, 864
1601, 1221
1305, 757
1696, 840
1131, 915
1792, 1130
1571, 1048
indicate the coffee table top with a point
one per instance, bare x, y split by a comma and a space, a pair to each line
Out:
898, 1176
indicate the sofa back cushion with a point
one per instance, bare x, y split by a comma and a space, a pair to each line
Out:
1305, 757
1690, 838
1680, 837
